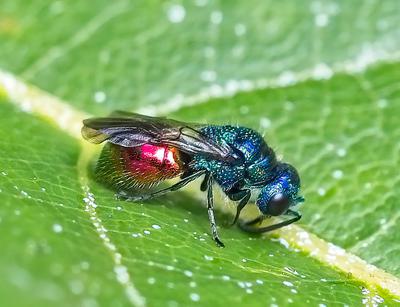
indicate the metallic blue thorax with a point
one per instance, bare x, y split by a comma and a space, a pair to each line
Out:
254, 169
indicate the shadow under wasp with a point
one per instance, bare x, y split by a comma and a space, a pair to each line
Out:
142, 151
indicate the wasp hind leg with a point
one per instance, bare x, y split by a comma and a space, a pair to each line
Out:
175, 187
210, 209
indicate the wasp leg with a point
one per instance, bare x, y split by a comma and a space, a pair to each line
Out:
211, 217
204, 184
172, 188
248, 226
257, 220
243, 196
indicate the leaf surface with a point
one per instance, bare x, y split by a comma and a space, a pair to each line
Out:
320, 80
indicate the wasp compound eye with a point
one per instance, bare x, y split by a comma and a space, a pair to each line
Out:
278, 205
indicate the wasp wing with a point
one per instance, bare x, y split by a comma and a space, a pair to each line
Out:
132, 130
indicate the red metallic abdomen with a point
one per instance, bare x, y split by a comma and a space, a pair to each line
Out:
150, 164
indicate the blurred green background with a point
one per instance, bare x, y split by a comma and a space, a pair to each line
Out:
320, 79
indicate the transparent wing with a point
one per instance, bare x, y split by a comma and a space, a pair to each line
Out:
131, 130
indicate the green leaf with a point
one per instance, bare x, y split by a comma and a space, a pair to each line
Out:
307, 84
62, 243
50, 250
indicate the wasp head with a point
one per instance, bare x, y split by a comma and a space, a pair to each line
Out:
281, 193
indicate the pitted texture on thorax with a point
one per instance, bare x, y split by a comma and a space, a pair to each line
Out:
247, 141
257, 159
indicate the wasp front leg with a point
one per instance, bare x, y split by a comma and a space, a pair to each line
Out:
249, 225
